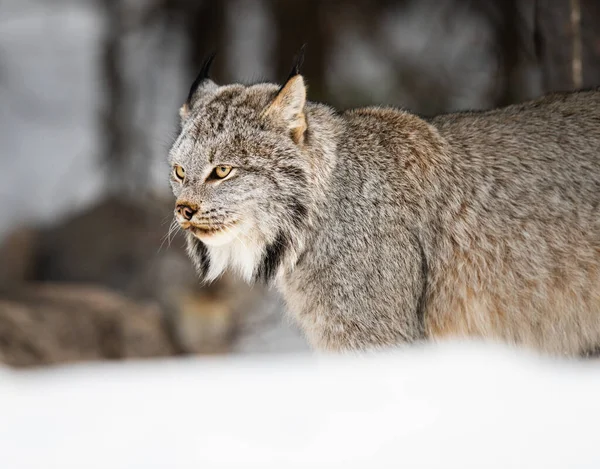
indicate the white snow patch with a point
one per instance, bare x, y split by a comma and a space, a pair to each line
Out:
448, 406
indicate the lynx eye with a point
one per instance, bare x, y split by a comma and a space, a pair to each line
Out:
179, 172
221, 172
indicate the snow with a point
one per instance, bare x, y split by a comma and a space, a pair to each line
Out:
445, 406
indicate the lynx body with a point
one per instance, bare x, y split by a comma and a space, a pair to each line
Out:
380, 228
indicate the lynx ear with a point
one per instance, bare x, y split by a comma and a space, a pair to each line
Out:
202, 85
288, 105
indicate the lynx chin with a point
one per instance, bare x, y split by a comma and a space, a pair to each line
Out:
381, 228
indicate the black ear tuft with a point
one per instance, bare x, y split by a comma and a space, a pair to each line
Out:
203, 75
298, 60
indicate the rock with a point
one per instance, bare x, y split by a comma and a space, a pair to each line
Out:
44, 324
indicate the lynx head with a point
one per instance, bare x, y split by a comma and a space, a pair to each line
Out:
243, 171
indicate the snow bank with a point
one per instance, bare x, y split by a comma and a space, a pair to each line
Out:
450, 406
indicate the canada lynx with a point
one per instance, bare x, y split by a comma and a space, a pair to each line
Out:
381, 228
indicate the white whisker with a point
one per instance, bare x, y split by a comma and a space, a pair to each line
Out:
173, 227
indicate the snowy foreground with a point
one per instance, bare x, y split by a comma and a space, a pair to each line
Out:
449, 406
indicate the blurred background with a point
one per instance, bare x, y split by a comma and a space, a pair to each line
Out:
89, 94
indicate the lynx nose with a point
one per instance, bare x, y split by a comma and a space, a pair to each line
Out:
185, 211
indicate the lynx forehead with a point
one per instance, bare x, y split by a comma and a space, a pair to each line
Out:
380, 228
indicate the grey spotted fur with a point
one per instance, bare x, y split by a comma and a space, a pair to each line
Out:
381, 228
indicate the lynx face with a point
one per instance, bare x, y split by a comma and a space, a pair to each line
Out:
240, 175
